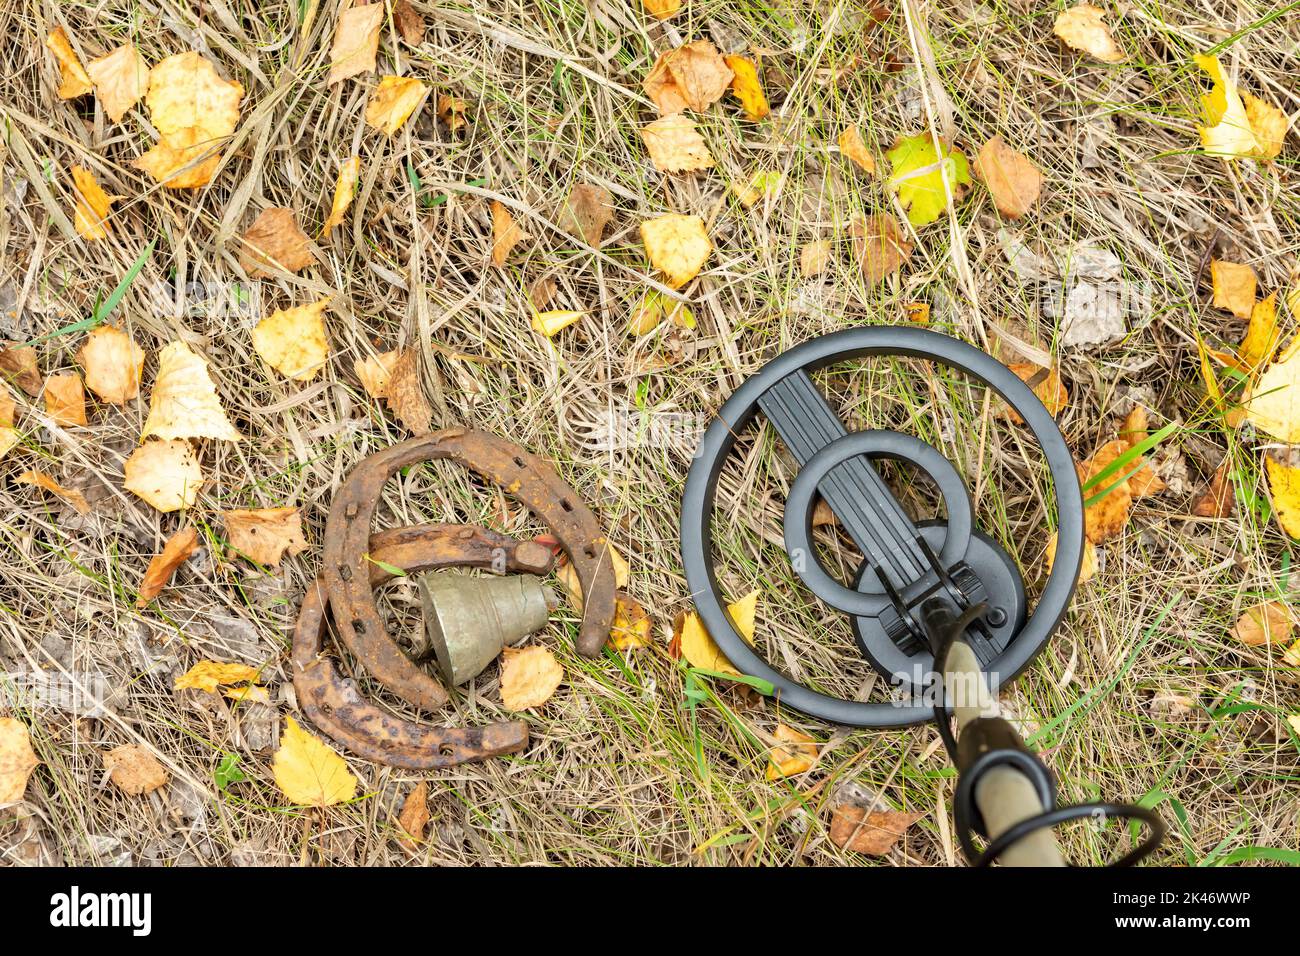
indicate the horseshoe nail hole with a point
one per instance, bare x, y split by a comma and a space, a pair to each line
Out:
566, 504
519, 462
447, 750
589, 551
359, 626
345, 572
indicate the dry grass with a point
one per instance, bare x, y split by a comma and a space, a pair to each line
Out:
1128, 701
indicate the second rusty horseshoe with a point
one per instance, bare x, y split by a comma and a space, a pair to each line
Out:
346, 570
336, 707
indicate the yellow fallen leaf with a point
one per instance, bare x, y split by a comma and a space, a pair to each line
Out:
184, 401
165, 474
212, 675
91, 212
677, 246
393, 102
308, 772
1046, 384
134, 770
692, 76
41, 480
1228, 132
529, 676
17, 760
746, 87
1267, 623
1273, 404
663, 9
814, 258
923, 182
293, 342
65, 399
113, 364
852, 146
247, 694
654, 309
675, 145
344, 190
1087, 567
1268, 123
274, 243
175, 552
121, 78
797, 756
1012, 180
1108, 517
194, 110
631, 627
881, 245
75, 81
9, 436
549, 323
1284, 488
698, 647
451, 110
506, 234
375, 372
263, 535
1082, 29
356, 41
1234, 287
1262, 335
762, 184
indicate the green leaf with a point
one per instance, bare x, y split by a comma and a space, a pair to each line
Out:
919, 176
228, 771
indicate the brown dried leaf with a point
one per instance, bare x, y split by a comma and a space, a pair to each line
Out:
881, 246
176, 551
1267, 623
120, 78
165, 474
375, 372
274, 243
18, 365
70, 495
414, 817
587, 212
873, 832
405, 394
852, 146
409, 22
1219, 498
693, 76
264, 534
1012, 180
65, 399
529, 676
356, 42
134, 769
505, 233
451, 110
1135, 427
675, 145
113, 364
1082, 28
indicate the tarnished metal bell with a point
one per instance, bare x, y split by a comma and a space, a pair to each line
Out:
468, 620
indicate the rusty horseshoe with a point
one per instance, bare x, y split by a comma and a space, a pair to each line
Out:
336, 707
347, 570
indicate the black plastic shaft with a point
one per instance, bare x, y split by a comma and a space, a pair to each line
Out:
856, 493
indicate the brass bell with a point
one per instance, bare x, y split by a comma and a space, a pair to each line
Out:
468, 620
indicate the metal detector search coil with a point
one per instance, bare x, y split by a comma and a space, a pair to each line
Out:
905, 561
